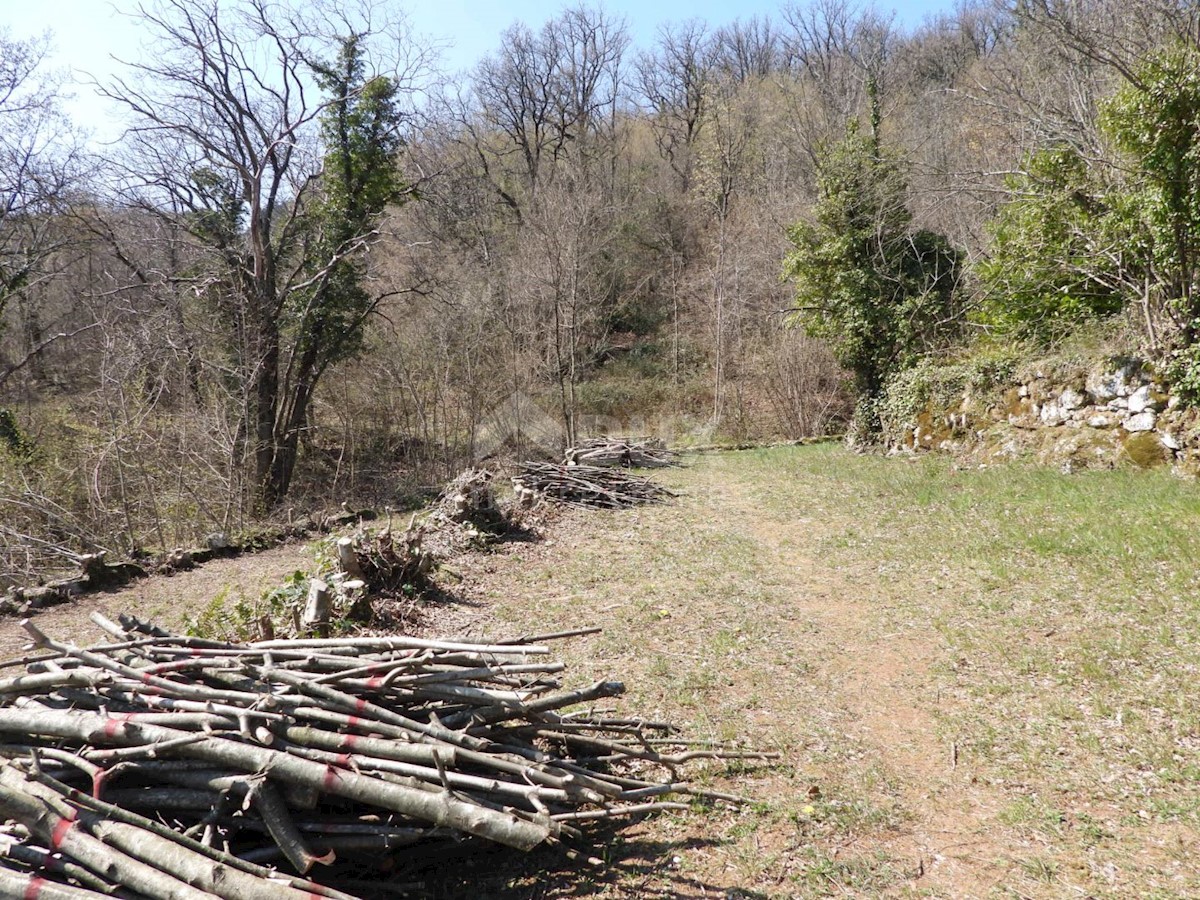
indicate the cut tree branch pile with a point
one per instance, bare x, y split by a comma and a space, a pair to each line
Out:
586, 486
644, 453
467, 514
175, 767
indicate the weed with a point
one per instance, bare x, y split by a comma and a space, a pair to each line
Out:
1031, 814
1040, 868
830, 874
241, 619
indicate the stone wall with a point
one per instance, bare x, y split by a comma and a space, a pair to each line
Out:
1114, 412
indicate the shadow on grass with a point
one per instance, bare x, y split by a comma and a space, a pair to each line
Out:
633, 867
517, 533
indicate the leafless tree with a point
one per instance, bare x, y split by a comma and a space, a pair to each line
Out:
40, 166
837, 52
747, 49
1112, 33
223, 145
673, 81
544, 95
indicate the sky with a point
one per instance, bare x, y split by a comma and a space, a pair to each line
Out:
87, 34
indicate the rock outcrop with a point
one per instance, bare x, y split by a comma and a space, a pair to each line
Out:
1117, 412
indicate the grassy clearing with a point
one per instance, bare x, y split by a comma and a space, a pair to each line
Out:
1067, 610
983, 681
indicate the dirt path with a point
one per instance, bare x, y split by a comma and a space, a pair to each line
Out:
720, 611
166, 600
885, 686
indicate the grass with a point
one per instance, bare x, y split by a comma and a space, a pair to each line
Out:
1008, 655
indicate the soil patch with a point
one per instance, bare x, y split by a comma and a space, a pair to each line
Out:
167, 600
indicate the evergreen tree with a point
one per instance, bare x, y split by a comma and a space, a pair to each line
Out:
361, 134
881, 292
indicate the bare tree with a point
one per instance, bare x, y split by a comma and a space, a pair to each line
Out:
1112, 33
837, 51
747, 49
268, 134
544, 96
40, 165
673, 81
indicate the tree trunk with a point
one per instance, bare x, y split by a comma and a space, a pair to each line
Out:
264, 361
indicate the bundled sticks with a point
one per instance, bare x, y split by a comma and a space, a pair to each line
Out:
173, 767
628, 453
586, 486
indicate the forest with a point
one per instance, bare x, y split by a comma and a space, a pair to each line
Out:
317, 270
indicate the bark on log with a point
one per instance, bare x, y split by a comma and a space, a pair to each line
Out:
442, 809
317, 608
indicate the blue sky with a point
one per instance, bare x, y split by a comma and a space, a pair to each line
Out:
87, 33
475, 26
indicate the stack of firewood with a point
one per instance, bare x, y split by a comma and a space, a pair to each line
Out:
643, 453
175, 767
586, 486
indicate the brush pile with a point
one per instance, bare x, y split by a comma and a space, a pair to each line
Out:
589, 487
466, 514
470, 499
174, 767
629, 453
388, 561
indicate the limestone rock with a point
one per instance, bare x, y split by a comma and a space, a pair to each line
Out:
1143, 421
1145, 398
1101, 420
1084, 449
1145, 451
1107, 385
1071, 399
1052, 414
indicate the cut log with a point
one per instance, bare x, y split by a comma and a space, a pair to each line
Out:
317, 608
348, 559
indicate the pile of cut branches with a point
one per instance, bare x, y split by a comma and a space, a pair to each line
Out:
468, 514
175, 767
635, 453
387, 560
586, 486
470, 499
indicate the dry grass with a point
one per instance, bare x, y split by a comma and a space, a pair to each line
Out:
983, 682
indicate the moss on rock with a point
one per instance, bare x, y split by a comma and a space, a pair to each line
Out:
1145, 451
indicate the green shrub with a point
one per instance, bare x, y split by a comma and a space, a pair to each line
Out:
930, 384
1044, 276
241, 619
